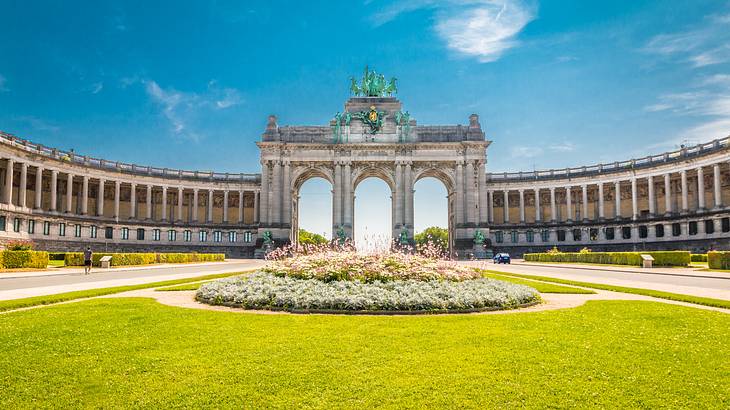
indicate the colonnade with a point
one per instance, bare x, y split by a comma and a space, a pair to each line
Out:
674, 198
163, 202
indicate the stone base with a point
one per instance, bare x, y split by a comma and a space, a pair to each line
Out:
479, 252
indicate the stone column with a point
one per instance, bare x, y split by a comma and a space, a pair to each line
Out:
569, 203
505, 208
117, 198
522, 206
8, 194
180, 198
652, 196
347, 193
265, 189
100, 199
490, 206
537, 205
209, 219
275, 214
483, 197
256, 206
601, 206
717, 187
85, 195
225, 206
460, 194
133, 201
408, 191
667, 194
240, 207
39, 188
69, 192
617, 190
149, 202
700, 189
23, 184
337, 200
685, 198
54, 190
286, 217
164, 203
553, 208
469, 193
398, 196
195, 205
634, 201
584, 189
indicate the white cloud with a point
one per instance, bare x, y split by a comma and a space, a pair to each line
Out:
38, 124
526, 152
707, 45
3, 81
484, 29
97, 87
186, 110
564, 146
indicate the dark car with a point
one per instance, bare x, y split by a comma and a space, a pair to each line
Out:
502, 258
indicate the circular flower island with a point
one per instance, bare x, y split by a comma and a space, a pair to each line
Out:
350, 282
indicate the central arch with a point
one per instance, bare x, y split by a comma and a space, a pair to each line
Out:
373, 219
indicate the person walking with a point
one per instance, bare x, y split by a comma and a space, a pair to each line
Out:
87, 260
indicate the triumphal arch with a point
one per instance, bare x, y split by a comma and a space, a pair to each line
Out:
374, 137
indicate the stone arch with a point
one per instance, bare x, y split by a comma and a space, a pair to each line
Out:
446, 177
386, 174
300, 175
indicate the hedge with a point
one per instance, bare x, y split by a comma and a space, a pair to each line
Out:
662, 258
127, 259
24, 259
718, 260
698, 257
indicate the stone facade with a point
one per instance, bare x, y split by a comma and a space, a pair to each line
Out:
61, 200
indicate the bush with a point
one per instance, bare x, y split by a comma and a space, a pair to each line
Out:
25, 259
19, 245
661, 258
718, 260
129, 259
698, 257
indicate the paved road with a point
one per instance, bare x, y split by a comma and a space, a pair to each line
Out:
14, 288
677, 281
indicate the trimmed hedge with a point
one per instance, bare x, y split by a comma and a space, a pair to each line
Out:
662, 258
24, 259
718, 260
128, 259
698, 257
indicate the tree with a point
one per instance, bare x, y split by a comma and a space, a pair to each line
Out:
434, 235
310, 238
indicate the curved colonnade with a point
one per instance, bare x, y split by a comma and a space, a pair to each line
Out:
64, 201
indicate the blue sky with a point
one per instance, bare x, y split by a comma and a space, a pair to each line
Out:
177, 84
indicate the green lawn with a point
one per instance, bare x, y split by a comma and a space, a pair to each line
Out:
541, 287
138, 353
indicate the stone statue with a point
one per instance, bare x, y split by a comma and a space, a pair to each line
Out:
341, 235
373, 84
268, 240
403, 120
479, 238
337, 128
403, 237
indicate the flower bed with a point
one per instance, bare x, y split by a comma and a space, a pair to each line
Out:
267, 291
384, 267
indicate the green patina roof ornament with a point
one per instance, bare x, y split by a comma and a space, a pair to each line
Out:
373, 84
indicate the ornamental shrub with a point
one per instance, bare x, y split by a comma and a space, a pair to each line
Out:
698, 257
718, 260
139, 258
25, 259
661, 258
19, 245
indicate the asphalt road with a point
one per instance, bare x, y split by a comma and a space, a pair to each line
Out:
13, 288
668, 280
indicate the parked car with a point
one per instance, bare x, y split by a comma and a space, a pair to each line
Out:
502, 258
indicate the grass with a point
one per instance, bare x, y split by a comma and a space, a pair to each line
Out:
90, 293
541, 287
185, 286
137, 353
56, 264
638, 291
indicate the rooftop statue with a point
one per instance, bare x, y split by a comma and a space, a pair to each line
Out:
373, 84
